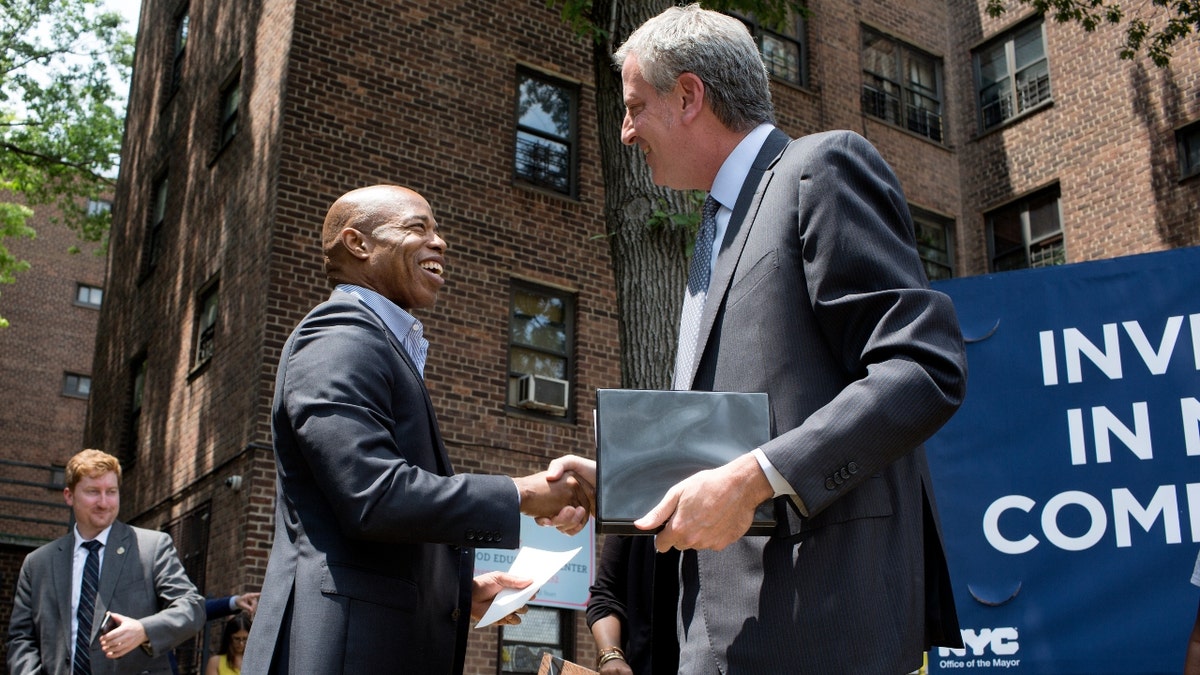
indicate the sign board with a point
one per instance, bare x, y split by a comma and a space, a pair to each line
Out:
1069, 482
570, 587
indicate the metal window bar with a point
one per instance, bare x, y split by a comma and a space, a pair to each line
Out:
881, 104
926, 122
1033, 92
541, 164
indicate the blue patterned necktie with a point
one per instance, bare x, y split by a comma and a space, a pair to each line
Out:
87, 609
697, 290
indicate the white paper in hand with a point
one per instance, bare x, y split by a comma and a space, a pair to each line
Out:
531, 563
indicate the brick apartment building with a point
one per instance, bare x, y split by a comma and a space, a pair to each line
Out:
1019, 142
45, 377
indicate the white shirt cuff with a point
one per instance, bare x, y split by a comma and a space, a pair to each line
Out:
778, 483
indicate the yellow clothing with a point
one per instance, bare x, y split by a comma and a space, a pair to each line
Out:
225, 668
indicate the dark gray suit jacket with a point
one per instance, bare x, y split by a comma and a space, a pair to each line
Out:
819, 299
141, 577
370, 571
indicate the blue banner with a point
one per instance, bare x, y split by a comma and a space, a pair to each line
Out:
1069, 482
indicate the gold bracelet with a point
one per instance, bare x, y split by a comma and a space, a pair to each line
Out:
609, 654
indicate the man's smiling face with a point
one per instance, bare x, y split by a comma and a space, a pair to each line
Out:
407, 255
651, 122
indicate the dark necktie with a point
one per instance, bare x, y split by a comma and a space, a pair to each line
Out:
697, 290
87, 609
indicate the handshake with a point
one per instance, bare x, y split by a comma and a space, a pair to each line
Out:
564, 495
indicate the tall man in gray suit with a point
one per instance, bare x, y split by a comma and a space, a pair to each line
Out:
135, 574
815, 295
370, 571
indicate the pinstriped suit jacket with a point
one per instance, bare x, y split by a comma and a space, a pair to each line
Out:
141, 577
819, 299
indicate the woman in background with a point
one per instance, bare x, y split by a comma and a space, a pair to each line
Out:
228, 659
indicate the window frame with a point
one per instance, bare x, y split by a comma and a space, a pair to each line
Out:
204, 330
180, 30
156, 217
76, 385
138, 372
922, 217
900, 109
1049, 242
1015, 91
761, 33
565, 646
1187, 142
567, 355
191, 534
571, 141
91, 291
229, 121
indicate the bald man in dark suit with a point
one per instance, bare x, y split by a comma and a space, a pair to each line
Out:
371, 567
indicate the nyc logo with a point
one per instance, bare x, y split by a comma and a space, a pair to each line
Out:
999, 641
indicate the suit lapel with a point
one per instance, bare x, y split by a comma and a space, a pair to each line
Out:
119, 548
62, 575
730, 249
443, 459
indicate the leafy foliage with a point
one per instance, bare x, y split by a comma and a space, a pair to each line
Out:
61, 118
578, 14
1176, 19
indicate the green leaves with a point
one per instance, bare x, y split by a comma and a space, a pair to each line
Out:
61, 118
1177, 18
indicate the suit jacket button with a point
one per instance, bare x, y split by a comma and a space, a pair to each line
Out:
853, 466
455, 614
470, 535
844, 473
829, 484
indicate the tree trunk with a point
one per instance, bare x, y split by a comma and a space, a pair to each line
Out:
649, 255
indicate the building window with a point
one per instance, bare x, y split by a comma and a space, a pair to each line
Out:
540, 344
1027, 233
935, 243
154, 230
58, 477
1012, 75
902, 84
88, 296
98, 207
180, 39
137, 394
541, 630
231, 101
1187, 140
76, 385
547, 132
783, 50
190, 534
206, 325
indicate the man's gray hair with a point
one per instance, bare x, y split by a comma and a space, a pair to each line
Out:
716, 48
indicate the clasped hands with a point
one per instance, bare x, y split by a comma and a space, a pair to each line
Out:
564, 495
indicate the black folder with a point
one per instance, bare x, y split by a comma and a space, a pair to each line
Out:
649, 440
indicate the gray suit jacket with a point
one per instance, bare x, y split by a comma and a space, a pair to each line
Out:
370, 571
819, 299
141, 577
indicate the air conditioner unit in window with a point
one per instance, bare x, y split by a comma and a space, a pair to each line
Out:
542, 393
